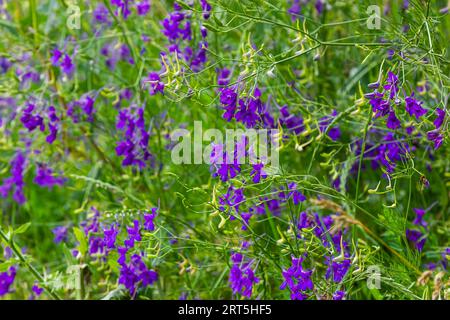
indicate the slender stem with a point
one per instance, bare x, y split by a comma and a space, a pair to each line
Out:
361, 156
36, 274
34, 20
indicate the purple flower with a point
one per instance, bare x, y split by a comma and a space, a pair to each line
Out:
143, 7
258, 172
339, 295
5, 64
110, 236
417, 238
45, 178
32, 121
96, 245
37, 291
319, 6
60, 234
206, 7
304, 221
136, 273
101, 14
53, 125
233, 198
173, 28
133, 234
134, 146
291, 122
6, 280
440, 118
242, 277
7, 252
418, 221
56, 57
67, 65
155, 83
295, 9
123, 7
334, 133
392, 85
413, 107
224, 165
148, 220
297, 279
379, 105
337, 269
223, 77
18, 166
392, 121
436, 138
82, 108
228, 99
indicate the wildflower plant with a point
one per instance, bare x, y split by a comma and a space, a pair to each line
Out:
93, 205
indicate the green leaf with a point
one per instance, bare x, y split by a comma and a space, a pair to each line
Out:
81, 237
23, 228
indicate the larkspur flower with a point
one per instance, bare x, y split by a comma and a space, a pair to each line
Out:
149, 220
206, 7
414, 107
16, 180
5, 65
136, 274
391, 85
392, 121
45, 177
258, 172
154, 83
67, 65
143, 7
134, 146
122, 8
101, 14
292, 122
436, 137
242, 277
334, 133
32, 120
6, 280
225, 165
439, 119
82, 109
60, 234
232, 199
417, 238
110, 236
295, 9
418, 220
291, 193
53, 124
7, 252
297, 279
134, 234
337, 269
339, 295
36, 291
56, 56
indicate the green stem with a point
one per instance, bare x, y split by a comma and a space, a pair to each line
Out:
361, 156
36, 274
34, 20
